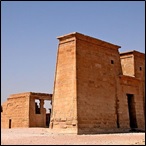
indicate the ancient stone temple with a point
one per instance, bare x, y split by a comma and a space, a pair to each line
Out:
96, 88
23, 110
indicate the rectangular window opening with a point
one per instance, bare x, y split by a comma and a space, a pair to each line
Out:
37, 106
112, 61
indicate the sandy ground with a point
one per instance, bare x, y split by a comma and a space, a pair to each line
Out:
43, 136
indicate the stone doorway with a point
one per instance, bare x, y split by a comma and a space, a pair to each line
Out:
132, 112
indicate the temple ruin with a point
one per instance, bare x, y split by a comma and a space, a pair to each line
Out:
96, 90
25, 110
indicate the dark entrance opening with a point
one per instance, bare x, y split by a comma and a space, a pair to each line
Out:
48, 106
10, 122
48, 115
132, 112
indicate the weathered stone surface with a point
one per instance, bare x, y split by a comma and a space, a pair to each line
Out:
96, 89
92, 81
19, 110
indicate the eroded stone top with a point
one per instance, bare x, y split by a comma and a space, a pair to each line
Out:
132, 52
28, 94
76, 35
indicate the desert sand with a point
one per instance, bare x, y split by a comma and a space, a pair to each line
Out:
44, 136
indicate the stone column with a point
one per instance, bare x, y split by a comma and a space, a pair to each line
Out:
41, 106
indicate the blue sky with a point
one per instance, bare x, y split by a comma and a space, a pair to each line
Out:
29, 31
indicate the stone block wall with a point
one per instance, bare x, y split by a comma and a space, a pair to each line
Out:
136, 84
98, 66
64, 111
130, 85
127, 62
38, 119
15, 112
92, 84
19, 110
140, 73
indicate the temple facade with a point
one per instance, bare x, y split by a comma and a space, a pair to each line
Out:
97, 89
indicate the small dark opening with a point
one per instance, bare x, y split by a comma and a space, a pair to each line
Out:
112, 61
140, 68
1, 109
131, 108
10, 123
